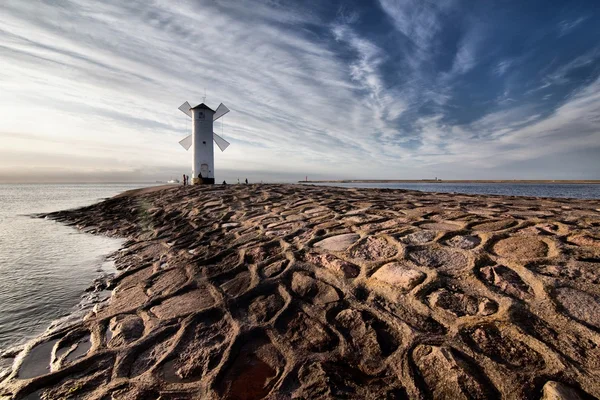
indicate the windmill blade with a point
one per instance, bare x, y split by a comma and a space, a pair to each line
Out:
220, 111
186, 142
185, 108
222, 143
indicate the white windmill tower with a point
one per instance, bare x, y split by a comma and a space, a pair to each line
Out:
201, 139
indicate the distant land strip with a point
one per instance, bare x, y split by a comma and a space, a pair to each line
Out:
527, 181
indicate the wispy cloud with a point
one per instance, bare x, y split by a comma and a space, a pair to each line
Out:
93, 87
566, 26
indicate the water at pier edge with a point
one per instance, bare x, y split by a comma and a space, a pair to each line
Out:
575, 191
45, 267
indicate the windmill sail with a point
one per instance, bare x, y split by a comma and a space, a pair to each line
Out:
185, 108
186, 143
222, 143
220, 111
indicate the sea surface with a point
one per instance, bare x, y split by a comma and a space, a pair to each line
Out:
575, 191
45, 267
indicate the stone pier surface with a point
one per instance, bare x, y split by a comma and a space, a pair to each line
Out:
304, 292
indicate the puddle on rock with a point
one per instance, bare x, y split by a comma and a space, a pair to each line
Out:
37, 361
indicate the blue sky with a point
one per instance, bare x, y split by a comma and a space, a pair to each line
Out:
388, 89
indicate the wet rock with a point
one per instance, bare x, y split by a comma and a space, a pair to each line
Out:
580, 305
399, 275
337, 243
37, 360
253, 372
506, 280
80, 387
373, 249
76, 348
521, 248
448, 375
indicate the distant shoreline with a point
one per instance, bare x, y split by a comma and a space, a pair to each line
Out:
532, 181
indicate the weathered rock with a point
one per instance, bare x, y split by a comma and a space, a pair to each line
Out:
125, 329
580, 305
496, 344
464, 242
332, 381
238, 284
373, 249
333, 263
370, 338
557, 391
184, 304
253, 372
232, 300
200, 350
444, 260
263, 308
495, 225
441, 226
447, 375
461, 304
521, 248
338, 243
314, 290
399, 275
506, 280
419, 237
304, 332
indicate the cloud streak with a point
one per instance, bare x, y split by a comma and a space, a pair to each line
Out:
313, 91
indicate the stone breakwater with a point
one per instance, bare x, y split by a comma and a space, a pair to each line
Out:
300, 292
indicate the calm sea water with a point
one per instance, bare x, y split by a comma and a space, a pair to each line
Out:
575, 191
45, 267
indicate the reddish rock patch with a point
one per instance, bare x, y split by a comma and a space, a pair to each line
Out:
374, 248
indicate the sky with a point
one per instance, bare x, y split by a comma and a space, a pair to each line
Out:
356, 89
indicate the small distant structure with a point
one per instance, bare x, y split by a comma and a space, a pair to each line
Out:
203, 164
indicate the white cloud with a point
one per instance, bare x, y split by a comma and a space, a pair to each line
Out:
93, 87
566, 26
